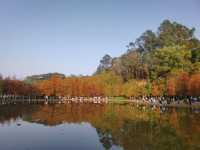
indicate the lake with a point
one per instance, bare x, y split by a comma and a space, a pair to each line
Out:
98, 127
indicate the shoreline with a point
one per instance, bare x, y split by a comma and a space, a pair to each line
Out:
172, 104
180, 104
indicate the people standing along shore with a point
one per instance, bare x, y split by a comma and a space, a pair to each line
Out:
162, 101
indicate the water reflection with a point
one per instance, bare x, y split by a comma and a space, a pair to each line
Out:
90, 126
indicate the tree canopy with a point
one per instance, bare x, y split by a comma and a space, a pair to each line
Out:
165, 62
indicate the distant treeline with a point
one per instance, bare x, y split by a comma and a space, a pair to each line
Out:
165, 62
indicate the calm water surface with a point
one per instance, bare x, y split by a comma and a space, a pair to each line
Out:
97, 127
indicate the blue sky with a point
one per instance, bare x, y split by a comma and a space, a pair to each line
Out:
71, 36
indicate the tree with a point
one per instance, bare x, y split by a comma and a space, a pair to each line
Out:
54, 86
147, 42
44, 87
130, 66
68, 90
148, 88
158, 87
195, 55
111, 83
182, 84
57, 85
195, 67
194, 85
1, 84
167, 59
12, 86
134, 88
166, 62
171, 87
173, 33
105, 64
168, 34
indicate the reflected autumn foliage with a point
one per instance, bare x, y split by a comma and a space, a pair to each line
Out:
119, 125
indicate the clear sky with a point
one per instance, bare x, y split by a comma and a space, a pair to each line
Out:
71, 36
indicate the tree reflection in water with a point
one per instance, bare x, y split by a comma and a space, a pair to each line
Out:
119, 126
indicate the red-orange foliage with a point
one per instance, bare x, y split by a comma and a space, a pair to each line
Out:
182, 84
17, 87
171, 87
53, 86
71, 86
102, 85
194, 85
156, 90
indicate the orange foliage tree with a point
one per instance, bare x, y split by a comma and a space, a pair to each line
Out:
17, 87
171, 87
158, 88
71, 86
182, 84
194, 85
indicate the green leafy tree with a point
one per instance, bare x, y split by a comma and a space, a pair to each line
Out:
196, 55
173, 33
111, 83
148, 88
147, 42
167, 59
195, 68
130, 66
134, 88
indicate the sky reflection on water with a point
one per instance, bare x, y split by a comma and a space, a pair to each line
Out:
90, 127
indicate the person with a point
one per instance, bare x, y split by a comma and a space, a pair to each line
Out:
46, 98
190, 102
